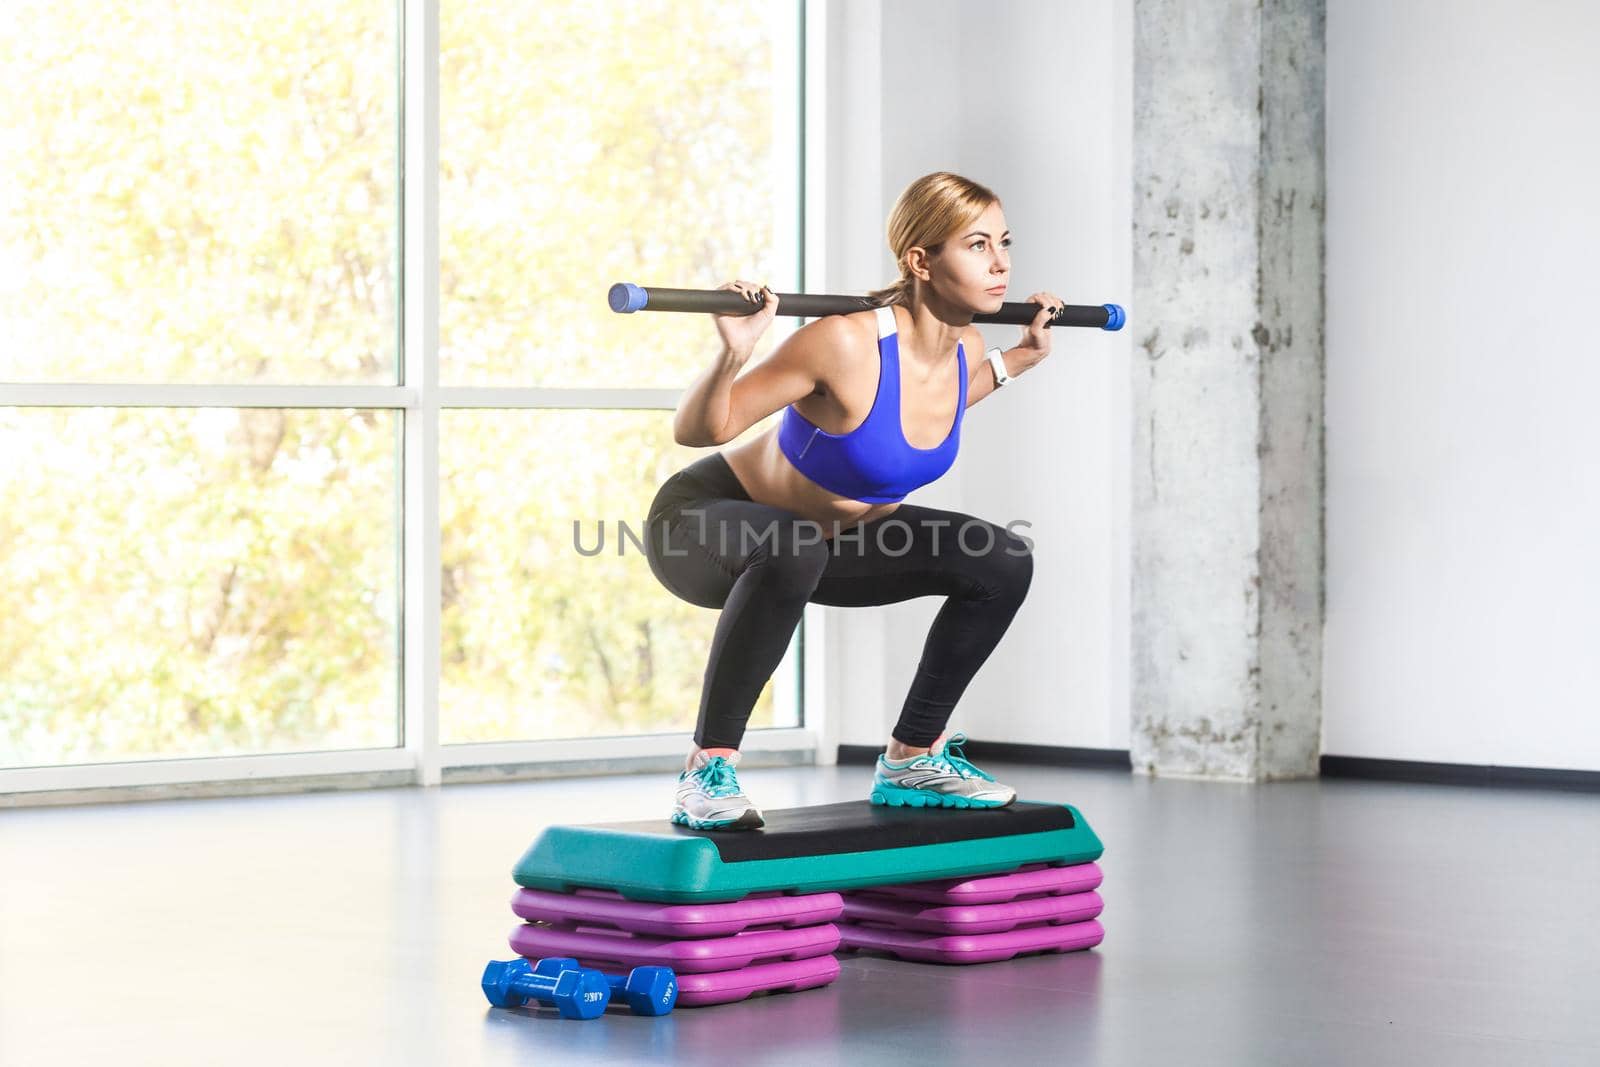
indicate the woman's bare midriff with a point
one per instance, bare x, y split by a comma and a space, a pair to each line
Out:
769, 478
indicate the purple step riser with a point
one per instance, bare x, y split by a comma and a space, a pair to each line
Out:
615, 950
1031, 881
608, 909
972, 919
725, 987
972, 948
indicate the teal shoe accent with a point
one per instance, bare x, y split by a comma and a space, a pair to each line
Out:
894, 796
683, 818
958, 759
718, 777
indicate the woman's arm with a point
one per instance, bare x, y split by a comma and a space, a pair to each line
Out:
720, 405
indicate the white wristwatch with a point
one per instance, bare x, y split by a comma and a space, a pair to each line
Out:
999, 365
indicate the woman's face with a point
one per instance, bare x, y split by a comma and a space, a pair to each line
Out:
975, 261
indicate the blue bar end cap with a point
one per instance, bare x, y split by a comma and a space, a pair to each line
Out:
625, 298
1115, 317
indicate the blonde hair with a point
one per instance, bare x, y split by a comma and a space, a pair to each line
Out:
927, 213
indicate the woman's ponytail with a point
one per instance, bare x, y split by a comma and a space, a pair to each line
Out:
897, 293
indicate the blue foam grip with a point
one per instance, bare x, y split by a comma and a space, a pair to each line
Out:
625, 297
1115, 317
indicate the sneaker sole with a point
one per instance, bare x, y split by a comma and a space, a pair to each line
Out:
895, 797
749, 820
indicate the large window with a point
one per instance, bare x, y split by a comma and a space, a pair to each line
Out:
312, 412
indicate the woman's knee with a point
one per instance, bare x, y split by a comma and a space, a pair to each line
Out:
792, 570
1008, 565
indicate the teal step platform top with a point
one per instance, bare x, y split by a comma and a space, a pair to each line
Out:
804, 850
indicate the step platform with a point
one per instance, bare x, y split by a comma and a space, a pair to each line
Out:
826, 848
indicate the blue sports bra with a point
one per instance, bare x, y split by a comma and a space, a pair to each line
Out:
873, 463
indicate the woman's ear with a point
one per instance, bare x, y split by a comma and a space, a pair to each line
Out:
917, 263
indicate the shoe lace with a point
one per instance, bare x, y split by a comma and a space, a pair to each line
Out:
718, 777
956, 760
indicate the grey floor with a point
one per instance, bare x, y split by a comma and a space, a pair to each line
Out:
1323, 922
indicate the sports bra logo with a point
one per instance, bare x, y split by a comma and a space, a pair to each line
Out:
809, 442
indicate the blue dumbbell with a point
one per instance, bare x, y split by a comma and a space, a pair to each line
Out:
648, 990
576, 994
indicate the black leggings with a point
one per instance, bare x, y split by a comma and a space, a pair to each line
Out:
711, 545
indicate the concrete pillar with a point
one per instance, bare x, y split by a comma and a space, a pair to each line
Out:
1227, 388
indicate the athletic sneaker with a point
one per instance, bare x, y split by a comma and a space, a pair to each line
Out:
940, 779
709, 797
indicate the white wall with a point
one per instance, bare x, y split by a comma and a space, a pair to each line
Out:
1463, 598
1033, 100
1463, 508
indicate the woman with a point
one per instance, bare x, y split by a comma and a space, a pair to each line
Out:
812, 510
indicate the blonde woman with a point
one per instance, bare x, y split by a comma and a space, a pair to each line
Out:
813, 509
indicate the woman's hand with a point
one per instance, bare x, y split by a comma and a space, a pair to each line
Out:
1036, 338
740, 332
